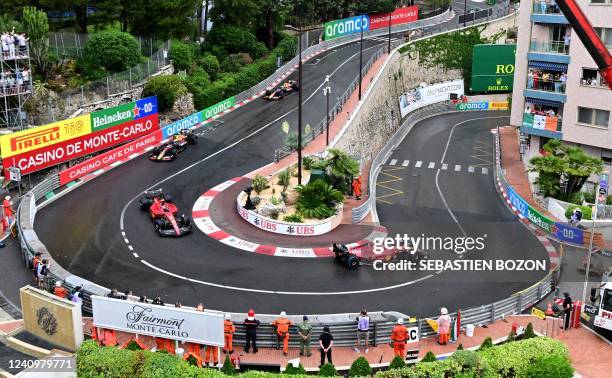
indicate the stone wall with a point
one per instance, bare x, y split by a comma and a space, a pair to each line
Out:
377, 119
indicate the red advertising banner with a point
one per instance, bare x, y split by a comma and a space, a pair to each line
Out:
38, 159
398, 16
109, 157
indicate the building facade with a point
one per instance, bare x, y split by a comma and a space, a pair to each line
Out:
558, 91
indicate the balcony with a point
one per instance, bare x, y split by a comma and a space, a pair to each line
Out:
549, 51
542, 125
547, 13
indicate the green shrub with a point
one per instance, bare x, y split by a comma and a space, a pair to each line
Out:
291, 141
287, 48
256, 200
468, 361
111, 51
609, 200
529, 334
397, 363
307, 162
182, 56
233, 39
106, 362
191, 360
511, 336
460, 347
133, 345
586, 211
228, 368
328, 370
210, 64
233, 63
260, 183
284, 178
275, 201
274, 214
318, 199
166, 88
429, 357
294, 218
551, 367
360, 368
342, 168
486, 344
431, 369
292, 370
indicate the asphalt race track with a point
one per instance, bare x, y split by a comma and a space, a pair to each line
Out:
84, 232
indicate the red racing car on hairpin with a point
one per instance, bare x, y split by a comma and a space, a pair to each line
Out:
169, 151
280, 92
164, 214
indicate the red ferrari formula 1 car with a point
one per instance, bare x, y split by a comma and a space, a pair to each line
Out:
163, 213
170, 150
280, 92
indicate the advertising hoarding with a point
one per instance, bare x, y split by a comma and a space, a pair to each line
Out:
103, 119
73, 148
199, 117
110, 157
398, 17
493, 68
39, 137
568, 234
429, 94
158, 321
482, 105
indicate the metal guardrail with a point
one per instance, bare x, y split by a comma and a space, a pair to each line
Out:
344, 332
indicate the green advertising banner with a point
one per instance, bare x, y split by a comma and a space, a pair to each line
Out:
218, 108
493, 68
105, 118
540, 220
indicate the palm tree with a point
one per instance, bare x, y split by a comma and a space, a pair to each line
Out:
340, 168
549, 169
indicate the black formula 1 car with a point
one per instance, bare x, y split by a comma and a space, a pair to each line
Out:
163, 213
280, 92
344, 257
169, 151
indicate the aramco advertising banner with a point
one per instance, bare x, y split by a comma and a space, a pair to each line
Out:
493, 68
338, 28
429, 94
41, 147
197, 118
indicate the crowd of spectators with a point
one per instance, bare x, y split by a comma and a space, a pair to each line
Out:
15, 81
546, 81
14, 45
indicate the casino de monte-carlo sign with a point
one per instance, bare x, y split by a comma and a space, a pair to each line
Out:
158, 321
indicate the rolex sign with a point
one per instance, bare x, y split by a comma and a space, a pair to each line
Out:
493, 68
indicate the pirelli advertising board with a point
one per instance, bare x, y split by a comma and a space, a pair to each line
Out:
45, 146
493, 68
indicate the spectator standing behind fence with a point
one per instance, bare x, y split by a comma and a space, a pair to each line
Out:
567, 310
77, 295
41, 273
8, 209
228, 333
443, 326
251, 324
399, 337
326, 342
282, 325
59, 290
363, 330
34, 266
305, 331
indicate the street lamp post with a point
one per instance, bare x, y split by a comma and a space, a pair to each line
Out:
360, 55
327, 92
389, 40
299, 141
464, 12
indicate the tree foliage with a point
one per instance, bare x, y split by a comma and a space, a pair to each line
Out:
182, 55
318, 199
110, 51
36, 26
167, 88
563, 164
161, 19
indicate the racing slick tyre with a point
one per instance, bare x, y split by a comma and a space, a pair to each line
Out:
294, 86
145, 203
352, 262
268, 93
155, 151
168, 197
192, 139
161, 224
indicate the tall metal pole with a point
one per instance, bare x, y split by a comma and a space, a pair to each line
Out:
389, 41
464, 12
327, 92
360, 55
300, 84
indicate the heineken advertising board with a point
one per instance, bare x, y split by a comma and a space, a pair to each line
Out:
493, 68
105, 118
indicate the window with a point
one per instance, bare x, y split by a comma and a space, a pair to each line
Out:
591, 77
606, 36
593, 117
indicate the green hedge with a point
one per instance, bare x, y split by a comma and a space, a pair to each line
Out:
586, 211
514, 359
525, 358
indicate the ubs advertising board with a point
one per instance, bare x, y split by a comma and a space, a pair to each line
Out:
493, 68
